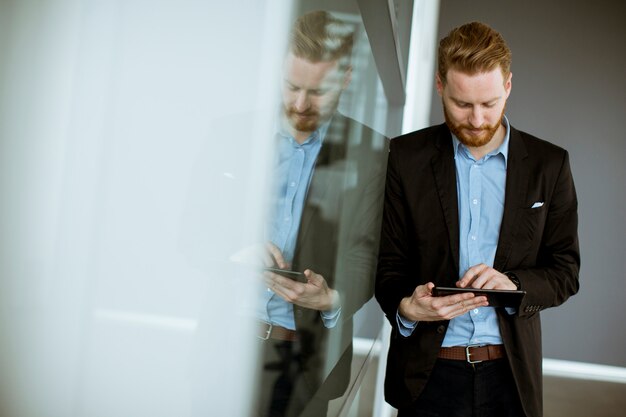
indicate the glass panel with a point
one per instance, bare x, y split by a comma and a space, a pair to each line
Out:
325, 217
105, 108
150, 150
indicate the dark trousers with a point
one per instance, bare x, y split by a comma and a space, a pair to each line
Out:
285, 388
459, 389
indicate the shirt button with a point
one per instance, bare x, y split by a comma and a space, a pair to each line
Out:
441, 329
474, 201
293, 184
473, 237
475, 311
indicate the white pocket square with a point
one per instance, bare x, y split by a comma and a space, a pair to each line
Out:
537, 204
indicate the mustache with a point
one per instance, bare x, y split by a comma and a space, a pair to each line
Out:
308, 113
483, 128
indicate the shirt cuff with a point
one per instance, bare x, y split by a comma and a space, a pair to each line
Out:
405, 326
330, 317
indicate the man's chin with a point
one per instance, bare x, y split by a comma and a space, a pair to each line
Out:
474, 140
304, 125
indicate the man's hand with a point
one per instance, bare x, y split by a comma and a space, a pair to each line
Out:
485, 277
314, 294
422, 306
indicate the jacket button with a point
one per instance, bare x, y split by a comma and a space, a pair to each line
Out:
441, 329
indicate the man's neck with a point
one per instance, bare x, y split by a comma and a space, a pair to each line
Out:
299, 136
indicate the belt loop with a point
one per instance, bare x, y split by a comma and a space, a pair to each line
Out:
268, 331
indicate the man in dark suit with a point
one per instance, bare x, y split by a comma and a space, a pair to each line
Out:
325, 209
473, 203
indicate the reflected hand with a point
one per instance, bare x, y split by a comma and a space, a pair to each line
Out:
485, 277
313, 294
422, 306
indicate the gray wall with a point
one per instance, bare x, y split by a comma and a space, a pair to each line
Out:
569, 86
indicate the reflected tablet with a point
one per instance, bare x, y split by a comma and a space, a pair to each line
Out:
496, 298
295, 275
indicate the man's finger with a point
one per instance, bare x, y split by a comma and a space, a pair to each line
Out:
313, 277
471, 274
424, 290
277, 255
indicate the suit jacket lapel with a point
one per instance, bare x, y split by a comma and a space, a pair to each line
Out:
517, 177
444, 171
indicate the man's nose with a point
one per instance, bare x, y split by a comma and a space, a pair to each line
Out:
302, 102
477, 117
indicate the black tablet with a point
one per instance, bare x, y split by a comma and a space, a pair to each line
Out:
496, 298
294, 275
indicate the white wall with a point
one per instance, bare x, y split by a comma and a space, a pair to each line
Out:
103, 107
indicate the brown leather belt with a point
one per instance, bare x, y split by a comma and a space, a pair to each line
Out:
271, 331
473, 354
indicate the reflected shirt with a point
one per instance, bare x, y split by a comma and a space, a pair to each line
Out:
292, 175
480, 189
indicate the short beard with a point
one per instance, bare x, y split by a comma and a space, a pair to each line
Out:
472, 141
313, 119
309, 124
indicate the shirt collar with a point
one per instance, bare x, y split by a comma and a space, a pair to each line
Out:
502, 149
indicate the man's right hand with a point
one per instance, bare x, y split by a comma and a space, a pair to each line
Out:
422, 306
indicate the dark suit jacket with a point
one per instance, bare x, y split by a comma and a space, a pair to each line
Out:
338, 236
420, 243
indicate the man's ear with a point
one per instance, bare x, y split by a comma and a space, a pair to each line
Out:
508, 84
347, 77
439, 84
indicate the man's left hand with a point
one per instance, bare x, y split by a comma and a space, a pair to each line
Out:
314, 294
485, 277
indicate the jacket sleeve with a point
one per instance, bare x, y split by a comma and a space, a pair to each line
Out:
554, 277
393, 272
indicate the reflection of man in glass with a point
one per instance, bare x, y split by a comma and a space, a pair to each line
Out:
316, 71
324, 222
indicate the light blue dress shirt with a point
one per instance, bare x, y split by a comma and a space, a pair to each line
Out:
292, 175
480, 190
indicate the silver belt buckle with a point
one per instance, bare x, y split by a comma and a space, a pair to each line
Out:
268, 332
468, 354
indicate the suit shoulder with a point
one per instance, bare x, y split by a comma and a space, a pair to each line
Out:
537, 146
419, 139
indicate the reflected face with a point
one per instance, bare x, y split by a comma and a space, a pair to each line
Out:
473, 105
310, 93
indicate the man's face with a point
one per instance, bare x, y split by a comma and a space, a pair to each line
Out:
311, 93
473, 105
